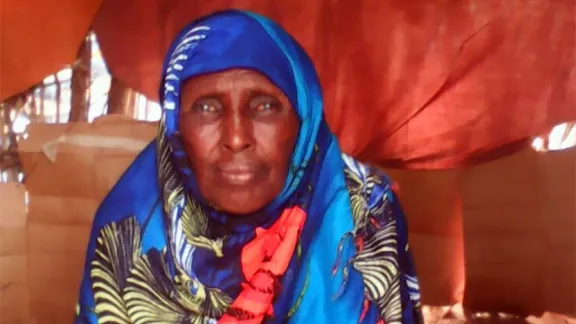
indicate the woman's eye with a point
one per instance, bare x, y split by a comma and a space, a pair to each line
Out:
264, 107
267, 107
206, 108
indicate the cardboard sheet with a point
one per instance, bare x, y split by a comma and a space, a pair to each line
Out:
13, 258
519, 230
69, 169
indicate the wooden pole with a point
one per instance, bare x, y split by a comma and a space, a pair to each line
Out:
81, 82
121, 99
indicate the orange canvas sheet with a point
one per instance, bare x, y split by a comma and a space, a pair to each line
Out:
408, 84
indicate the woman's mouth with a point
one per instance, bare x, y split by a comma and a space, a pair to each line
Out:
238, 174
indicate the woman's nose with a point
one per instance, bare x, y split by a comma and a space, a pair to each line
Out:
237, 135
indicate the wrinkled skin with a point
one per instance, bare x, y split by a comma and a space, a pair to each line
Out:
239, 131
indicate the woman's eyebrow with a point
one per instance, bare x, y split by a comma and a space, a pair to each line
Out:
264, 93
207, 95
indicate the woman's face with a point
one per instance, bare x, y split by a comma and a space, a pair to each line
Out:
239, 132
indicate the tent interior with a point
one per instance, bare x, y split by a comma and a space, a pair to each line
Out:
469, 106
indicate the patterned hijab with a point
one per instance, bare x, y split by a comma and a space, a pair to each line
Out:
331, 248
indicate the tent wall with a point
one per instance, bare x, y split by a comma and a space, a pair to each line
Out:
499, 236
13, 259
520, 233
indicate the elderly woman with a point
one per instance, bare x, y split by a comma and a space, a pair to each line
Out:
244, 210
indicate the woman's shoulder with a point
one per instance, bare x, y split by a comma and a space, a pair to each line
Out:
364, 175
370, 189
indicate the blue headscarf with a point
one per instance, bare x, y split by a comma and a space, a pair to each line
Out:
159, 253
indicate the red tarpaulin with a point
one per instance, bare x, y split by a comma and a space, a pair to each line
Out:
412, 84
39, 38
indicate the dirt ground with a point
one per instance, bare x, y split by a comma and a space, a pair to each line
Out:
457, 315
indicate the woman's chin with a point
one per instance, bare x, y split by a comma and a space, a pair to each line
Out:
239, 208
238, 203
241, 200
